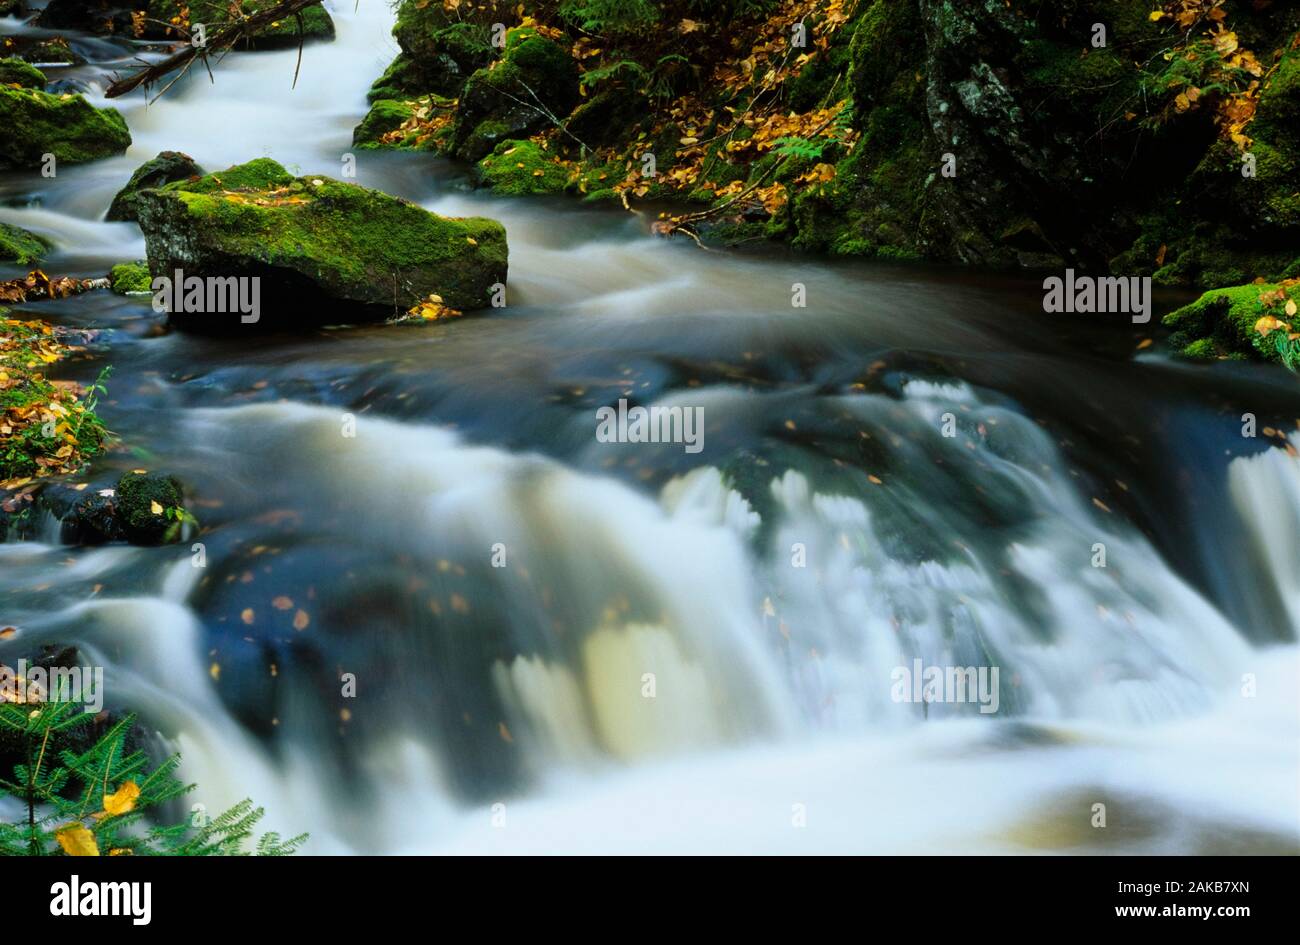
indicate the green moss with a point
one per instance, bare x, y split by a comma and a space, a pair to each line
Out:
1222, 321
521, 168
129, 278
148, 505
21, 246
384, 116
67, 126
353, 244
13, 71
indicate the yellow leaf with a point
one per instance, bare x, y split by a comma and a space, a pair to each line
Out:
301, 621
1268, 323
1157, 15
76, 840
123, 800
1291, 307
155, 508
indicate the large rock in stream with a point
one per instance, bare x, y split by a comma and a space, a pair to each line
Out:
322, 250
38, 123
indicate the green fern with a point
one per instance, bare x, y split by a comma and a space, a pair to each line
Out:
67, 794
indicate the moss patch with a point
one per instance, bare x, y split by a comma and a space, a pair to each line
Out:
520, 168
1222, 322
21, 246
131, 278
13, 71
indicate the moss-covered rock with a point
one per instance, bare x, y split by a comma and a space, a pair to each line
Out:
148, 506
535, 76
1222, 322
316, 22
521, 168
92, 16
437, 55
130, 278
50, 52
168, 167
37, 123
21, 246
322, 249
384, 116
14, 71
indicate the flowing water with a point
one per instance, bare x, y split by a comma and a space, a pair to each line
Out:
508, 709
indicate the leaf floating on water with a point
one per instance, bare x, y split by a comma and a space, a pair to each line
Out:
282, 603
301, 620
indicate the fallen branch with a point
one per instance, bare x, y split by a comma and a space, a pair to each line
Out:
36, 286
229, 35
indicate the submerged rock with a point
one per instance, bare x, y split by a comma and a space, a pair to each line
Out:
21, 246
14, 71
37, 123
50, 52
168, 167
322, 250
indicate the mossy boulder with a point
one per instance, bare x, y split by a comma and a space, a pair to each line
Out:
1222, 322
131, 278
521, 168
168, 167
384, 116
147, 506
11, 7
50, 52
21, 246
37, 123
14, 71
323, 250
535, 76
316, 22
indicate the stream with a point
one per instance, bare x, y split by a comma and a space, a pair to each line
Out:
505, 709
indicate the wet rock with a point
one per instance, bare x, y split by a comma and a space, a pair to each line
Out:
148, 507
322, 250
21, 246
168, 167
37, 123
92, 520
